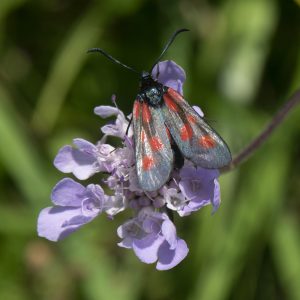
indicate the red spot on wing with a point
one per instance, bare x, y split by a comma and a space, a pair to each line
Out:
156, 143
206, 141
191, 119
136, 109
147, 162
186, 132
175, 95
146, 112
170, 103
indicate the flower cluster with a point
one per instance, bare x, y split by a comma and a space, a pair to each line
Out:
150, 232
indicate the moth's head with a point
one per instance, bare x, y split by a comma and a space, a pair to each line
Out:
145, 79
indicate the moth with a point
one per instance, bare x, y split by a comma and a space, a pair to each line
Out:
167, 129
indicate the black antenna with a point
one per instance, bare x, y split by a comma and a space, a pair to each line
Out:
170, 41
112, 59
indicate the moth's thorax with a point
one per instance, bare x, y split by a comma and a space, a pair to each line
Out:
150, 90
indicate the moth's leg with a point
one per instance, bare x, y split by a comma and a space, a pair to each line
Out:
127, 129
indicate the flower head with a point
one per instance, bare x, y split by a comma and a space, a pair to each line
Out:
150, 233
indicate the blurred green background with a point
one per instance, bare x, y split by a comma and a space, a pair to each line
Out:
242, 60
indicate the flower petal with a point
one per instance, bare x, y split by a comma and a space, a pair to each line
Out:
118, 128
51, 220
170, 74
68, 192
146, 249
106, 111
192, 173
198, 186
78, 220
64, 160
198, 111
126, 243
80, 163
169, 232
85, 171
167, 258
216, 199
85, 146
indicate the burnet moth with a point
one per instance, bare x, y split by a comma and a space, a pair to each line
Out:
166, 129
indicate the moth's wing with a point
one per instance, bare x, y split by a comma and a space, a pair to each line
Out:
196, 140
153, 153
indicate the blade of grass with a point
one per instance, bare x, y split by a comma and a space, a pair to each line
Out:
65, 68
71, 57
244, 62
18, 154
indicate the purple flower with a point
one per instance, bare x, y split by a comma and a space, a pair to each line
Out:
75, 206
152, 236
150, 233
85, 159
117, 128
201, 187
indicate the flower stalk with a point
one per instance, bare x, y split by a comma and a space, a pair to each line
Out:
249, 150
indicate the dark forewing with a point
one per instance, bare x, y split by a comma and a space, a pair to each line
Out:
196, 140
153, 153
